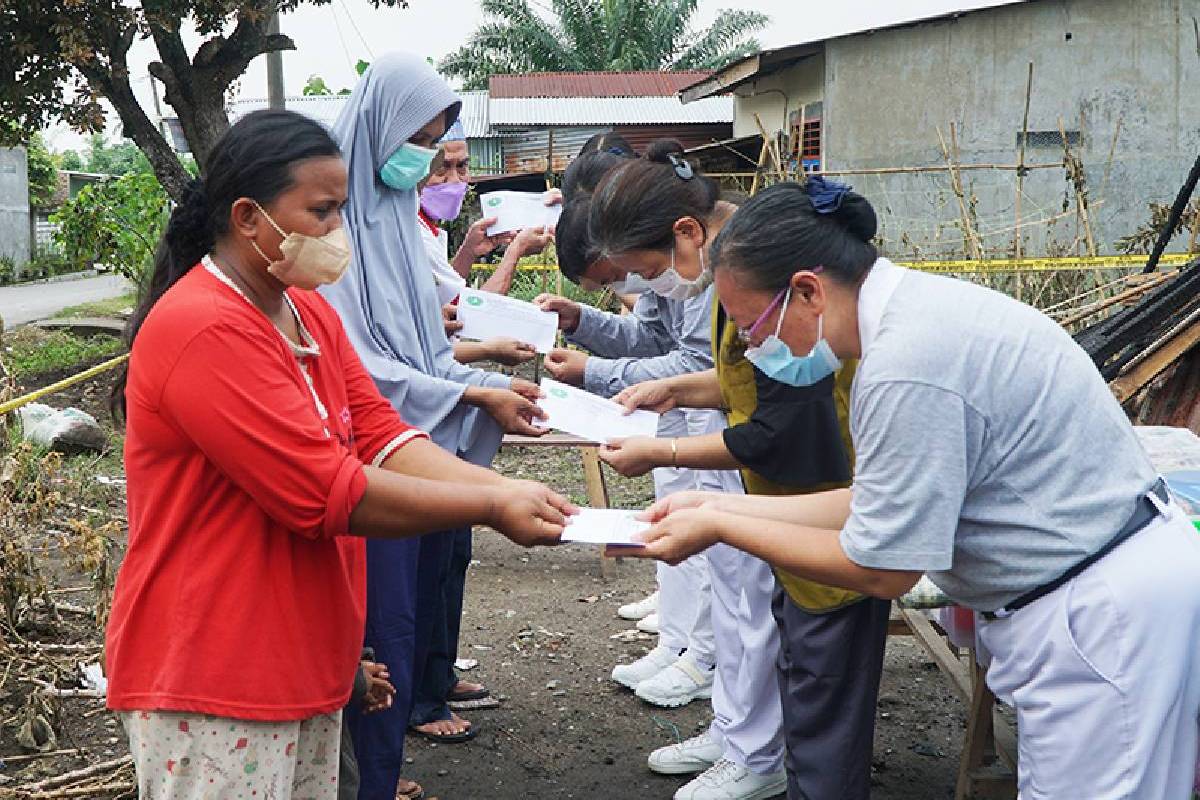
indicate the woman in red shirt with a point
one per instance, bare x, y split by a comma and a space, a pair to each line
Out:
258, 453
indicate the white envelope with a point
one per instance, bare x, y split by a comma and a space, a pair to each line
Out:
611, 526
591, 417
515, 211
486, 315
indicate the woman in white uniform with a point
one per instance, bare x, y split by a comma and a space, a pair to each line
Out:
992, 456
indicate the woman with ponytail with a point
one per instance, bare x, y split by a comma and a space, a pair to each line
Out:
992, 457
259, 455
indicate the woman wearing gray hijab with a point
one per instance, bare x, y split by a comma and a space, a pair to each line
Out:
389, 306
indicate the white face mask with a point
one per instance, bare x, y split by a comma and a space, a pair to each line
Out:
632, 284
309, 261
673, 287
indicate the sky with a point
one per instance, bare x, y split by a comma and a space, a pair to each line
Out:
331, 38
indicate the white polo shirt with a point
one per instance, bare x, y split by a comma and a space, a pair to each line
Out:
989, 451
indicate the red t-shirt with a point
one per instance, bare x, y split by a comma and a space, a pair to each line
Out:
242, 594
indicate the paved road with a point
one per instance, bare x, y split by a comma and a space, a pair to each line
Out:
29, 302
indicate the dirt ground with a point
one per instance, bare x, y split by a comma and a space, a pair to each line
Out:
540, 624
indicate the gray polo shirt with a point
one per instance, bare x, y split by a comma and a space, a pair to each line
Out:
990, 452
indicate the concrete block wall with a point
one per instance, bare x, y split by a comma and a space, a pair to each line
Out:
15, 228
1096, 63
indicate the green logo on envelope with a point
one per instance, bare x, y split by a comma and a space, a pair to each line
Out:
474, 301
557, 392
493, 202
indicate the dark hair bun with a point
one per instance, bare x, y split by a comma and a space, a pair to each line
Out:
189, 231
661, 150
857, 215
613, 143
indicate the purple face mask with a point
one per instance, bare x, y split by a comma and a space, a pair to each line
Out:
443, 201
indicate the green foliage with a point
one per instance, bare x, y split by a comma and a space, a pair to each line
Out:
600, 35
61, 60
360, 66
120, 158
112, 307
315, 86
71, 161
117, 223
29, 354
43, 175
8, 270
46, 263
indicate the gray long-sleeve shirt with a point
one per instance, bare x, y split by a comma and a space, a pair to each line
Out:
661, 338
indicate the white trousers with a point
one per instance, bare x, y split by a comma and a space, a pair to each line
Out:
1105, 673
684, 593
747, 710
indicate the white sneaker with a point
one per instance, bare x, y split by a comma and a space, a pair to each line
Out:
649, 665
691, 755
648, 623
677, 685
642, 608
726, 780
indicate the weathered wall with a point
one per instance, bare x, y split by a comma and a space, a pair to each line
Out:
1096, 63
797, 85
14, 205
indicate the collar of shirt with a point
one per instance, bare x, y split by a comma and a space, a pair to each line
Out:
310, 346
428, 222
873, 297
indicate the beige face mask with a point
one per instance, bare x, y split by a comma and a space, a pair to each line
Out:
309, 261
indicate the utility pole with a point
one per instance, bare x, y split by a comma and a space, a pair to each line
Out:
274, 66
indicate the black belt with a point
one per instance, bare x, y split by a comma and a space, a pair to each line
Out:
1145, 512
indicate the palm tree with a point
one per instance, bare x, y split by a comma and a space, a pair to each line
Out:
601, 35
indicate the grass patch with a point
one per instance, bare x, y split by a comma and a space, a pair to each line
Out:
29, 351
113, 307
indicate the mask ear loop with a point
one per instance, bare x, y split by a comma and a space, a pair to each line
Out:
278, 229
783, 311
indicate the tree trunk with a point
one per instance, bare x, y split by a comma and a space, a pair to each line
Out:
161, 153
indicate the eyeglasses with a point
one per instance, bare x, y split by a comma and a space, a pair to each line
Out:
747, 334
445, 167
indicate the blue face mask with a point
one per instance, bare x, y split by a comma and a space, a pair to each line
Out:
775, 360
407, 167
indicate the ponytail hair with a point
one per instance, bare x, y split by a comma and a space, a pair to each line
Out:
254, 159
791, 226
635, 206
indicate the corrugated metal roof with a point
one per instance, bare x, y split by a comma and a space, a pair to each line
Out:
766, 62
593, 84
326, 107
474, 114
580, 111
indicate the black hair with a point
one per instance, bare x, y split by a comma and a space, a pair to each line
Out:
779, 232
587, 170
613, 143
637, 203
573, 245
254, 159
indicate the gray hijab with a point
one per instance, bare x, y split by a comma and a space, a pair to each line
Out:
386, 299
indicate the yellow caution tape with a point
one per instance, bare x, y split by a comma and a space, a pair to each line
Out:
17, 402
1062, 263
1046, 264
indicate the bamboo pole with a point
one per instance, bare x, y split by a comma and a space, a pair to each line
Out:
762, 160
956, 185
1075, 172
1100, 305
767, 141
1017, 243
